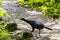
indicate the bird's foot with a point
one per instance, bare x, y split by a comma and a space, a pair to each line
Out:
38, 36
31, 31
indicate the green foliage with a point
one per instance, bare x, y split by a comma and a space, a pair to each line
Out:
21, 1
1, 2
25, 36
11, 27
4, 35
47, 7
57, 1
3, 12
55, 16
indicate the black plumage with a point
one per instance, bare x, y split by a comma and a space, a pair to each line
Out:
35, 24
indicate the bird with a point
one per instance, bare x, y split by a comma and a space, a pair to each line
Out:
35, 24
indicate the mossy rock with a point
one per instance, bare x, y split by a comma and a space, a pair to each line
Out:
25, 36
11, 27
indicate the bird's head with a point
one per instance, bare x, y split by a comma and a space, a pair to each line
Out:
22, 19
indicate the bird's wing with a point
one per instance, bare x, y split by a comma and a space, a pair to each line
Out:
36, 22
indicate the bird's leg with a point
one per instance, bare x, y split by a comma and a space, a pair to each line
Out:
39, 32
32, 29
38, 36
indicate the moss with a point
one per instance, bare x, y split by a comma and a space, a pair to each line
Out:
11, 27
26, 36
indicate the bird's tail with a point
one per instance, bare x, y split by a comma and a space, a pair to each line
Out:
48, 28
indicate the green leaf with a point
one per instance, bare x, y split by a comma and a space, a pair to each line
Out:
3, 12
1, 2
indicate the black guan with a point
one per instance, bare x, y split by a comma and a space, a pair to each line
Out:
35, 25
